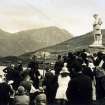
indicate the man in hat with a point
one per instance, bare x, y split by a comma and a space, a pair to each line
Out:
79, 91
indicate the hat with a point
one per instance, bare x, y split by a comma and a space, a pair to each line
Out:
84, 64
64, 69
10, 82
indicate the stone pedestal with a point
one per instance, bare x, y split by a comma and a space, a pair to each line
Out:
95, 49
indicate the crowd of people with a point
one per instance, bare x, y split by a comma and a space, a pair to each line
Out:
76, 79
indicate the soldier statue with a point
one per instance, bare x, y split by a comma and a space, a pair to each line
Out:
97, 30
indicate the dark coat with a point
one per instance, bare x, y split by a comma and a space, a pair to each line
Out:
33, 65
58, 67
50, 80
87, 71
5, 92
80, 90
34, 73
100, 88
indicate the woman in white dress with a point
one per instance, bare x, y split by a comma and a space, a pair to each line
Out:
63, 80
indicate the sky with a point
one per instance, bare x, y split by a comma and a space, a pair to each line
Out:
76, 16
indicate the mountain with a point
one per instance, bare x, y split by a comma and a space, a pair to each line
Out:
30, 40
73, 44
76, 43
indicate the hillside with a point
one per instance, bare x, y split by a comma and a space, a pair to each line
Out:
30, 40
76, 43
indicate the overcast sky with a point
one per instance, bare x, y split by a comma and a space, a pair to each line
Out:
76, 16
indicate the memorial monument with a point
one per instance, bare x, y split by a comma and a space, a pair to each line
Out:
97, 45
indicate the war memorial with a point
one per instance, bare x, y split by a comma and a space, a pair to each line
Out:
97, 45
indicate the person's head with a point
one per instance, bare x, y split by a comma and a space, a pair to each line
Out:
21, 90
83, 55
77, 67
100, 55
59, 57
34, 58
40, 99
12, 66
84, 50
70, 55
64, 58
80, 60
64, 72
95, 16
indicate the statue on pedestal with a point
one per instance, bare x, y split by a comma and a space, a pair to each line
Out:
97, 45
97, 30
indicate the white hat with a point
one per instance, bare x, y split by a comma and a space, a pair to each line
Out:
84, 64
10, 82
64, 69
